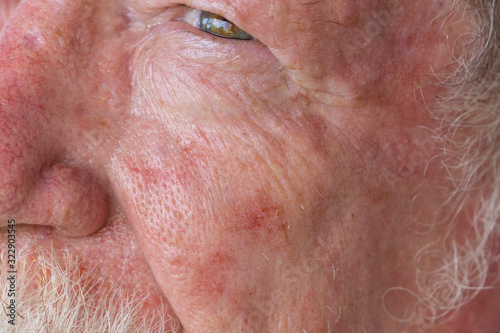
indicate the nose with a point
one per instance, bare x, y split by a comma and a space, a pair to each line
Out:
42, 181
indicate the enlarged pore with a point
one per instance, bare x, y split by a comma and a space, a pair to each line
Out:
53, 297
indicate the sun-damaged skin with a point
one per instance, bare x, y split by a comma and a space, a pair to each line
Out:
254, 186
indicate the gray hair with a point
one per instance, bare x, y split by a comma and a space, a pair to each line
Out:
470, 137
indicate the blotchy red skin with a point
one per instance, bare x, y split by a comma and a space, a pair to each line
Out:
260, 186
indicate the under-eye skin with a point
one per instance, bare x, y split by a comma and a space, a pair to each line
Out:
214, 24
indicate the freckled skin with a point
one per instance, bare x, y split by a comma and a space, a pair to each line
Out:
261, 186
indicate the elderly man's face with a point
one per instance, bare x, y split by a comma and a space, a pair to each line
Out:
280, 183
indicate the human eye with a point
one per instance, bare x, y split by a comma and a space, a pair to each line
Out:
214, 24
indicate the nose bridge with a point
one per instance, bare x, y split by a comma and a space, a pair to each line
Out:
39, 42
34, 28
32, 47
24, 61
41, 47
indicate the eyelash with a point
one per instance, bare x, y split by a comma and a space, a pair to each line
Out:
214, 24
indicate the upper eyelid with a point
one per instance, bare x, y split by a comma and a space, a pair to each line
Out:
173, 13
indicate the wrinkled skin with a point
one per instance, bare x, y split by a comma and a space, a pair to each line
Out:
254, 186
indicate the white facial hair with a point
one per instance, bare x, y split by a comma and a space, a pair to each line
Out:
54, 297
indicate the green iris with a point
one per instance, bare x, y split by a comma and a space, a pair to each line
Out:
219, 26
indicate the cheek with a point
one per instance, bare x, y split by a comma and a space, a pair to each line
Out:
207, 204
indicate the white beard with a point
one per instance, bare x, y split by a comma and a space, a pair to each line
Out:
53, 298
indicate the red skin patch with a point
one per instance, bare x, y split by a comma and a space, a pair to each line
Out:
210, 275
261, 215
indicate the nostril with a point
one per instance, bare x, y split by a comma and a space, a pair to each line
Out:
75, 202
67, 198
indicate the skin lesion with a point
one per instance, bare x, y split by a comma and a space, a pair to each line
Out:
260, 214
238, 189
